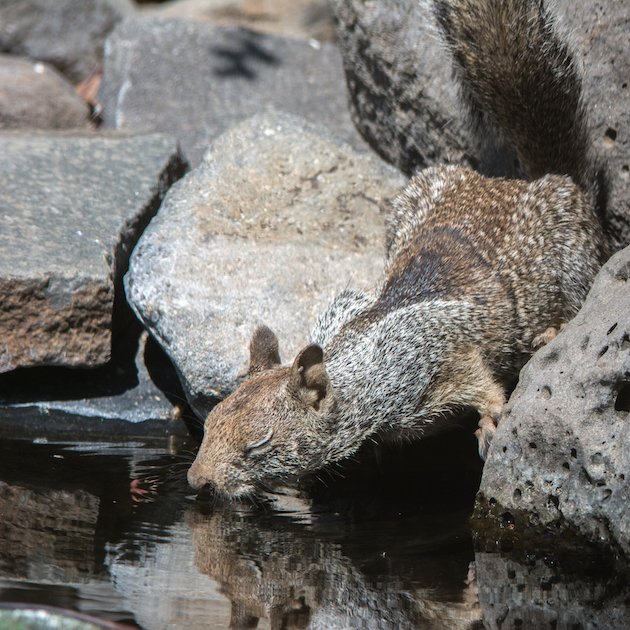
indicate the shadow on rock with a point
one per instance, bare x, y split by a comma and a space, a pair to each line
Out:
240, 59
136, 393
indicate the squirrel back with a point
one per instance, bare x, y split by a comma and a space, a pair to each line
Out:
478, 270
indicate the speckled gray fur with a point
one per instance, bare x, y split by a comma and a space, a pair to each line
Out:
375, 363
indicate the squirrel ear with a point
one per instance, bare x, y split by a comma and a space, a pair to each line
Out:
309, 378
263, 350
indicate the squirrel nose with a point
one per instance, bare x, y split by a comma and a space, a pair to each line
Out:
195, 479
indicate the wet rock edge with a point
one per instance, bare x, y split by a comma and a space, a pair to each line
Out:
499, 528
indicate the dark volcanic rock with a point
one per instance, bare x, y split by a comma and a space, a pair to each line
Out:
72, 207
196, 80
68, 34
32, 94
561, 453
403, 99
275, 221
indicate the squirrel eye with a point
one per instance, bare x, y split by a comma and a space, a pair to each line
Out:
262, 442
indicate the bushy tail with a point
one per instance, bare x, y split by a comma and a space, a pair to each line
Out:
518, 74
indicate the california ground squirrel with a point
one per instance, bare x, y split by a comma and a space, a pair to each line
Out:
478, 271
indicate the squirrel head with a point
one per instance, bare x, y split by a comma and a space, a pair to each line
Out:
273, 428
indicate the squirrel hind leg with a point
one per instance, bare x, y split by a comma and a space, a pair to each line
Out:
471, 383
490, 414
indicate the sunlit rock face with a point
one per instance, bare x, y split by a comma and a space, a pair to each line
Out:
218, 77
277, 220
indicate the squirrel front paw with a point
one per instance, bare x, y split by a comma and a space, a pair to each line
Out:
487, 428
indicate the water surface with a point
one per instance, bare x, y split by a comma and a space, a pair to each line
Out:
112, 530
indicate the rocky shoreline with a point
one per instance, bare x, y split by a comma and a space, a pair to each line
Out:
245, 165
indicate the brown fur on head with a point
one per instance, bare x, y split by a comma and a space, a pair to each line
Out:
273, 428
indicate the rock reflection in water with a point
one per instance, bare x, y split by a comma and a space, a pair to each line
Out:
296, 579
543, 593
38, 525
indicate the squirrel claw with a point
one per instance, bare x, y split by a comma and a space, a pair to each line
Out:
544, 338
485, 433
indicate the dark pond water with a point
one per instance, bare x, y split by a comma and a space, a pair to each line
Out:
111, 530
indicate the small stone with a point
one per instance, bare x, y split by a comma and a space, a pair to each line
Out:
35, 95
68, 34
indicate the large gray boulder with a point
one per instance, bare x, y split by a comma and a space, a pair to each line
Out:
561, 453
68, 34
35, 95
275, 221
404, 100
215, 78
72, 207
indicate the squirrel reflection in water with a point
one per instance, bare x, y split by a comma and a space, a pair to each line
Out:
296, 579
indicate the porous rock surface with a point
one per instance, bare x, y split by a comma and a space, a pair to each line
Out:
561, 453
404, 100
68, 34
35, 95
275, 221
71, 209
195, 80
